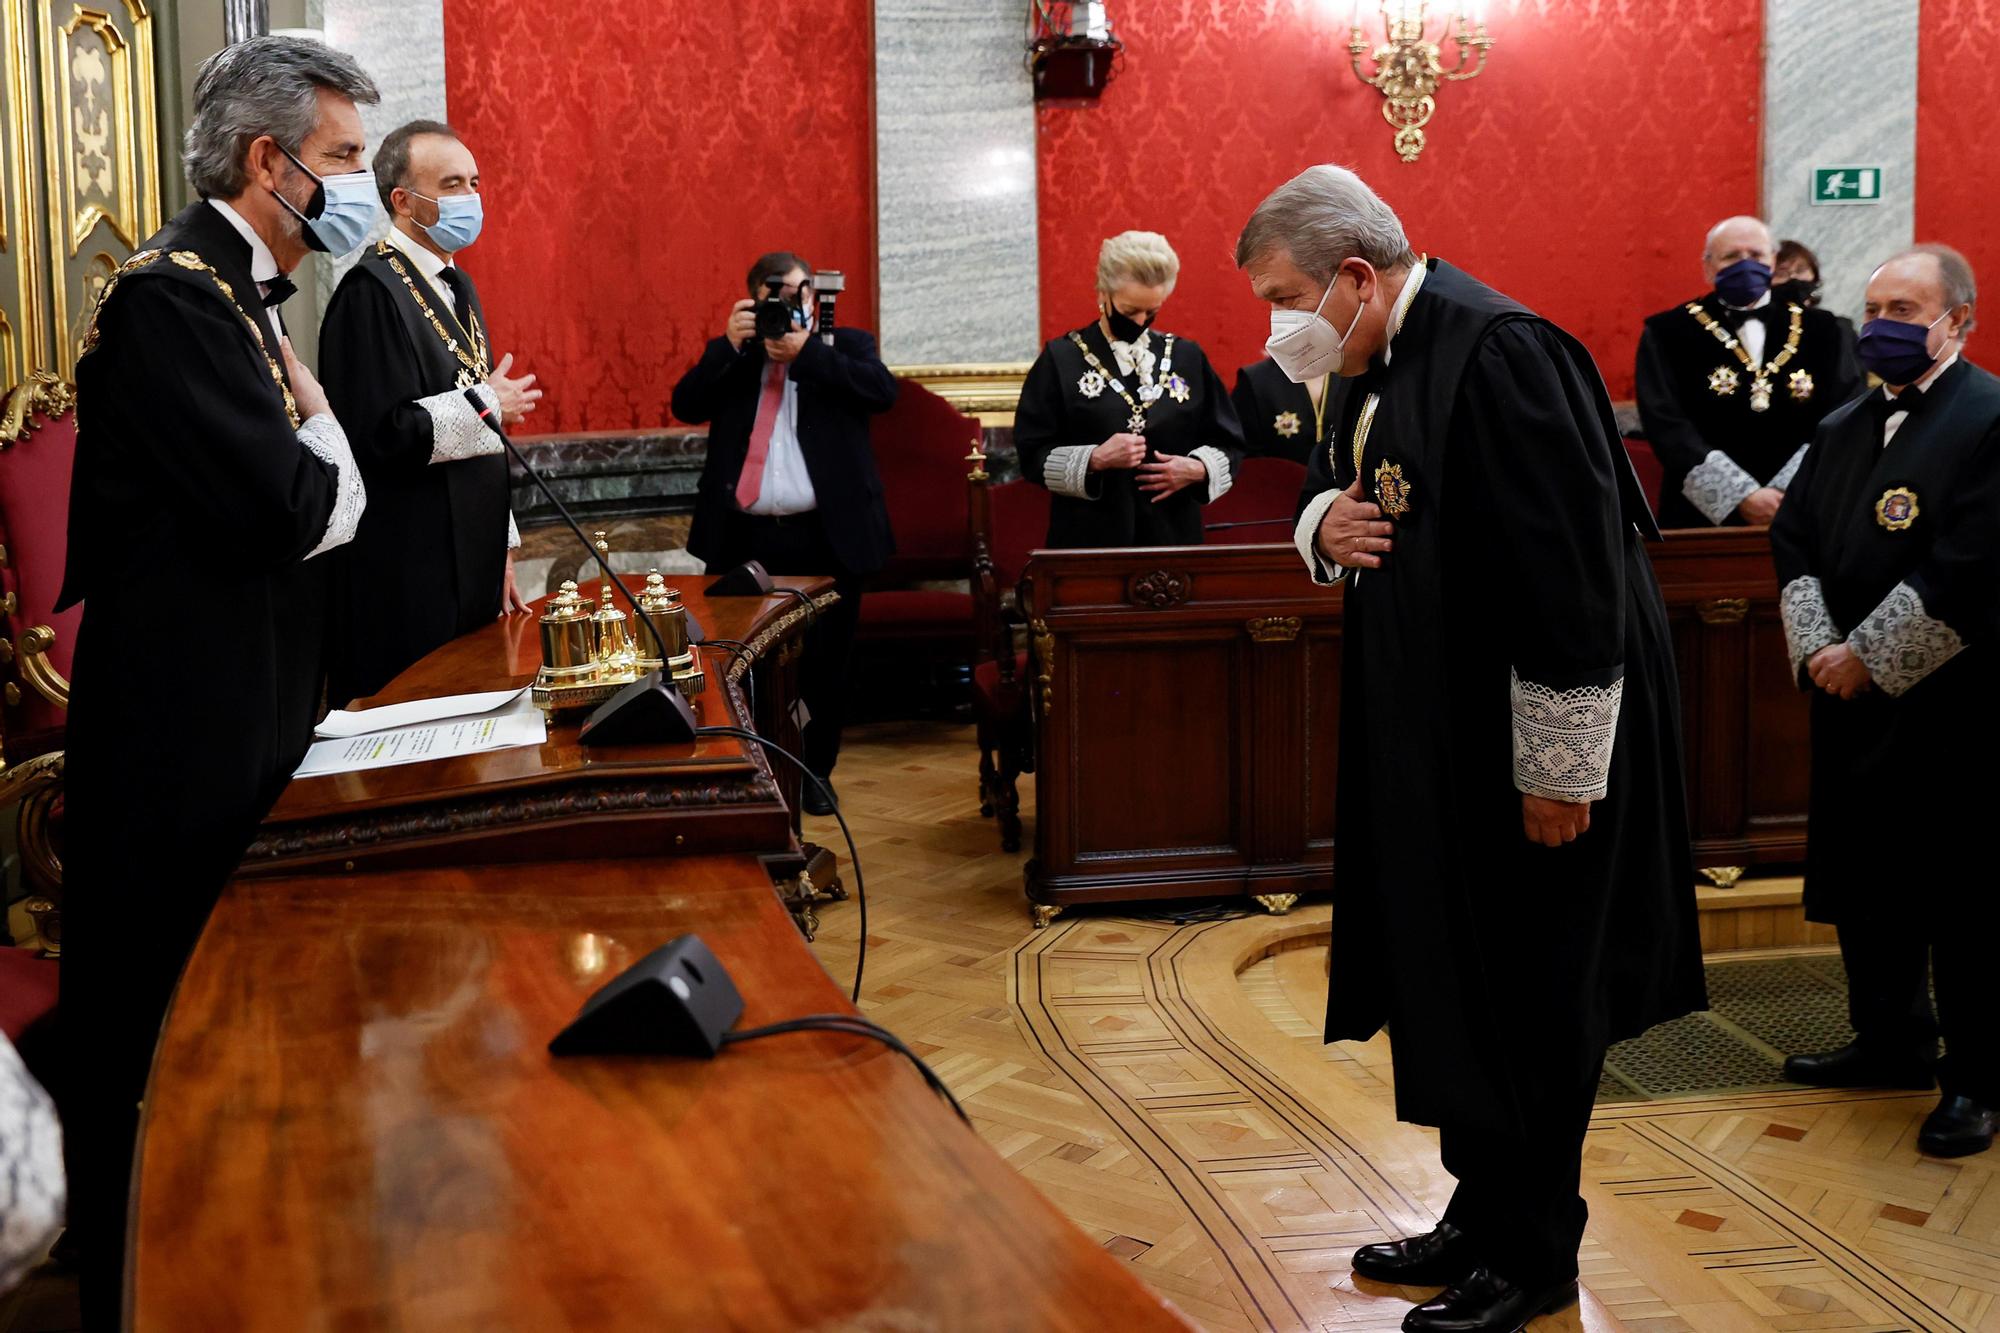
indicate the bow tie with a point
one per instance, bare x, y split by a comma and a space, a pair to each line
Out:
1734, 319
278, 290
1884, 407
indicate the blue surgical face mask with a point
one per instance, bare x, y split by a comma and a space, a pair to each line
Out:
1899, 352
1743, 283
341, 212
460, 216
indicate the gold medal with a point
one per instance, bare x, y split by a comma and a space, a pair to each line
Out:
1287, 424
1722, 381
1801, 385
1897, 509
1392, 489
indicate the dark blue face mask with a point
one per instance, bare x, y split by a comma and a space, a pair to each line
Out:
1899, 352
1743, 283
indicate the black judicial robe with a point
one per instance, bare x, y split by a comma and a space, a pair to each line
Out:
1277, 415
1686, 420
1521, 554
1901, 804
429, 561
193, 507
1055, 412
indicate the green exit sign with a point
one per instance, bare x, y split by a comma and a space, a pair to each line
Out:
1847, 185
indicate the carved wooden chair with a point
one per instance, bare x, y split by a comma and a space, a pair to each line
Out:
1005, 524
37, 445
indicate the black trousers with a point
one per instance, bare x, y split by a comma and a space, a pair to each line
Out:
1891, 966
797, 544
1517, 1196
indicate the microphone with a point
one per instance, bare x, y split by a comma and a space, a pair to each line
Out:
649, 710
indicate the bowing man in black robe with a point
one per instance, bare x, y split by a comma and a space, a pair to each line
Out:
211, 481
1732, 384
1513, 882
1130, 428
404, 337
1280, 419
1888, 554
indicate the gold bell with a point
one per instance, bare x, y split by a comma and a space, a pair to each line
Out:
569, 639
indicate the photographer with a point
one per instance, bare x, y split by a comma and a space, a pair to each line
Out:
790, 480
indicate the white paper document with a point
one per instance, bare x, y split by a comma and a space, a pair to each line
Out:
502, 729
343, 723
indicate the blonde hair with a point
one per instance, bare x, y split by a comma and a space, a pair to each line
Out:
1143, 257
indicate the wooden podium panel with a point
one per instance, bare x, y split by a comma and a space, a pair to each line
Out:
1185, 723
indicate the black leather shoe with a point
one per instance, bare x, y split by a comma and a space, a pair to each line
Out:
1435, 1259
1959, 1127
1853, 1066
1485, 1302
813, 803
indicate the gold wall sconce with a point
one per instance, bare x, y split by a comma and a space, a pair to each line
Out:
1409, 65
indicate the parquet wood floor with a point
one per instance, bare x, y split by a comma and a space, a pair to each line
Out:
1165, 1086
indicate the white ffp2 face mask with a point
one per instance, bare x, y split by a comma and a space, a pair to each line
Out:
1304, 345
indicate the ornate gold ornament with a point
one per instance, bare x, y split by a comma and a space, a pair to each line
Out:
1274, 629
1392, 489
1137, 423
1045, 658
40, 394
1286, 424
1091, 385
1800, 385
591, 650
188, 259
1723, 381
1408, 66
1897, 510
1277, 904
476, 364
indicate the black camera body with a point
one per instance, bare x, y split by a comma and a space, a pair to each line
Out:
778, 317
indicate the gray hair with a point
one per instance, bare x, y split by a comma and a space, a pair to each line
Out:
1322, 216
266, 85
392, 155
1954, 275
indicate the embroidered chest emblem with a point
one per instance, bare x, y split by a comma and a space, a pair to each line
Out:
1801, 386
1177, 388
1392, 489
1722, 381
1091, 385
1897, 509
1287, 424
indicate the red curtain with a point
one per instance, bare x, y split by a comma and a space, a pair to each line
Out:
1578, 174
636, 160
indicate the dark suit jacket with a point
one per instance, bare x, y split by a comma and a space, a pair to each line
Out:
839, 388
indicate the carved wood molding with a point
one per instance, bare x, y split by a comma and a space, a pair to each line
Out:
1159, 589
1274, 629
1045, 661
760, 642
1723, 610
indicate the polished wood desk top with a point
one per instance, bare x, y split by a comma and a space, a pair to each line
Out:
355, 1124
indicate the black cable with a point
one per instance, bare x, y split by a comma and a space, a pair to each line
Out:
745, 653
857, 1026
812, 612
853, 856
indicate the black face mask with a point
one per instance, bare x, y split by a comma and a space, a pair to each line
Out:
1124, 328
1797, 291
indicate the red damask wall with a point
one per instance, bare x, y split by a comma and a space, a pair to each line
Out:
635, 163
1958, 85
1579, 173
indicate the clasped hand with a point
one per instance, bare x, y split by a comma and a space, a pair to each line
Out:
1839, 672
1160, 478
1354, 534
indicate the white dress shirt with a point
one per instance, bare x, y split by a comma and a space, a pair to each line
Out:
787, 487
1751, 335
1896, 419
427, 264
263, 265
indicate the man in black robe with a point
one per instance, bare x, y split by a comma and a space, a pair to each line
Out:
404, 337
790, 478
210, 481
1732, 384
1513, 887
1888, 554
1280, 419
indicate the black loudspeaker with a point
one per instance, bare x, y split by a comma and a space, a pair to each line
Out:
746, 580
677, 1000
649, 711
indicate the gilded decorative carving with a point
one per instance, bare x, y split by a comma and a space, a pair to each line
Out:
1044, 913
1723, 877
41, 394
1274, 629
1723, 610
1159, 589
26, 336
37, 786
988, 392
1045, 661
1277, 904
37, 671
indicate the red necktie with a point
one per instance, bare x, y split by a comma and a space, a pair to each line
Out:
751, 483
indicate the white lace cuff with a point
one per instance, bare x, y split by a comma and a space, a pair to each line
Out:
31, 1168
1217, 463
326, 441
513, 533
456, 430
1783, 480
1563, 739
1900, 643
1305, 536
1808, 624
1716, 486
1066, 471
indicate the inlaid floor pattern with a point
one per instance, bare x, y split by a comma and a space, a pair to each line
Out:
1166, 1087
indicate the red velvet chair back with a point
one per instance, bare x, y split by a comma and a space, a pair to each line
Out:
1647, 464
920, 449
34, 529
1020, 512
1264, 492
